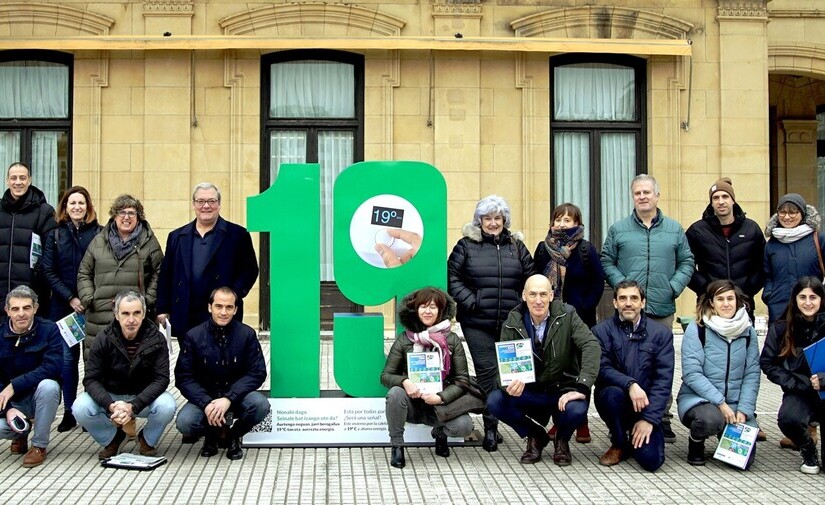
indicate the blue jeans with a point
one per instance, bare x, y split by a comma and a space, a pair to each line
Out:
71, 357
95, 418
41, 405
616, 410
250, 411
533, 409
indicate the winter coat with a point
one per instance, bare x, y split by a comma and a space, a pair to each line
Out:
395, 369
583, 279
784, 264
570, 354
62, 252
19, 220
110, 371
27, 360
211, 367
792, 373
737, 257
658, 257
721, 371
486, 276
641, 355
101, 277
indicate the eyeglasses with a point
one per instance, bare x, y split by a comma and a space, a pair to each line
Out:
789, 213
127, 213
202, 203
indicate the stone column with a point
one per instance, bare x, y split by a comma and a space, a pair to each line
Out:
800, 159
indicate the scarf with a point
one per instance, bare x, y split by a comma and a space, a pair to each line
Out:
434, 337
729, 328
121, 247
560, 243
789, 235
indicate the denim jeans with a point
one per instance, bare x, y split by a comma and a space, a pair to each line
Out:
402, 409
41, 404
95, 418
250, 411
616, 410
533, 409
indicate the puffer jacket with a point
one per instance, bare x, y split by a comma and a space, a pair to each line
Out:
737, 257
28, 359
570, 354
395, 369
792, 373
19, 220
723, 371
101, 277
784, 264
642, 354
486, 276
658, 258
62, 252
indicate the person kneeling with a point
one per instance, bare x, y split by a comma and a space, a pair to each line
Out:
127, 373
566, 356
426, 315
634, 381
220, 367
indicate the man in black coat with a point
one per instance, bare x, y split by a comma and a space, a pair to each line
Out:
220, 368
205, 254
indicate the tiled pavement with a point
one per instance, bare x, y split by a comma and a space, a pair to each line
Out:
71, 473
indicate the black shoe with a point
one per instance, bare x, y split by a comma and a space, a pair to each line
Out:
190, 439
441, 447
210, 447
810, 463
234, 451
490, 442
67, 423
397, 459
667, 431
696, 452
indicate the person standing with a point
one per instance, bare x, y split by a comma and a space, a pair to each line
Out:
208, 253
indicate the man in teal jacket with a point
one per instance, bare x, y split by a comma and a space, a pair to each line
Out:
653, 250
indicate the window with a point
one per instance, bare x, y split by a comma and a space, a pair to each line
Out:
597, 136
312, 112
35, 116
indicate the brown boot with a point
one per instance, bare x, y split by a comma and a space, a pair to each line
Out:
583, 434
145, 448
114, 446
34, 457
19, 446
130, 428
562, 456
535, 445
787, 443
613, 456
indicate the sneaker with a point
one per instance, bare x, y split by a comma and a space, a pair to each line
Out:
114, 446
34, 457
583, 434
19, 446
810, 463
145, 448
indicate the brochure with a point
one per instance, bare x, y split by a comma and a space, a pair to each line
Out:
134, 462
72, 328
515, 361
815, 354
736, 444
424, 370
36, 250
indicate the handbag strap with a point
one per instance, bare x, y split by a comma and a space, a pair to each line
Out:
819, 252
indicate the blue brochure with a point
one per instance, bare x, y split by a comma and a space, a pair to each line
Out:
815, 354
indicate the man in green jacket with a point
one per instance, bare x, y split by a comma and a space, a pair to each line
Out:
566, 362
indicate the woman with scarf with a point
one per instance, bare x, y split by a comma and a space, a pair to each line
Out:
572, 265
784, 363
426, 315
720, 368
793, 250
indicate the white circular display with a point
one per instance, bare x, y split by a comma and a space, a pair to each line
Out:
386, 224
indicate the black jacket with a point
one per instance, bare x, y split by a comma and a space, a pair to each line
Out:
109, 369
792, 373
62, 252
19, 219
486, 276
738, 257
215, 363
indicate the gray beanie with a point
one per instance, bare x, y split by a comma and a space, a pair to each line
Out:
794, 198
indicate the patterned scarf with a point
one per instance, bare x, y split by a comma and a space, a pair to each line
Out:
560, 243
121, 247
434, 337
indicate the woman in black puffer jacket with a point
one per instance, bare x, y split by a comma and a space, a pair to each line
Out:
486, 274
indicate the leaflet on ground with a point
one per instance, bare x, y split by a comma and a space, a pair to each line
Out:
134, 462
72, 328
424, 370
736, 444
515, 361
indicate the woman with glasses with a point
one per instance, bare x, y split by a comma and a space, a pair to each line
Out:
793, 251
124, 255
62, 251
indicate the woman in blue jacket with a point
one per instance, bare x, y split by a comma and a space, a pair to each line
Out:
62, 251
720, 368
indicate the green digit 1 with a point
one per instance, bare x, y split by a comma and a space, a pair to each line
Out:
294, 277
358, 351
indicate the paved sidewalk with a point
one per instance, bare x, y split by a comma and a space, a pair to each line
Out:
71, 473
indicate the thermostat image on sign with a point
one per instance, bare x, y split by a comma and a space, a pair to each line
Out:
386, 223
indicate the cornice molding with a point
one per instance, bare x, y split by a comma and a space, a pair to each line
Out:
601, 22
72, 21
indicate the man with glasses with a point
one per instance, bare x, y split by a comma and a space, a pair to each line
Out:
566, 362
208, 253
220, 367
